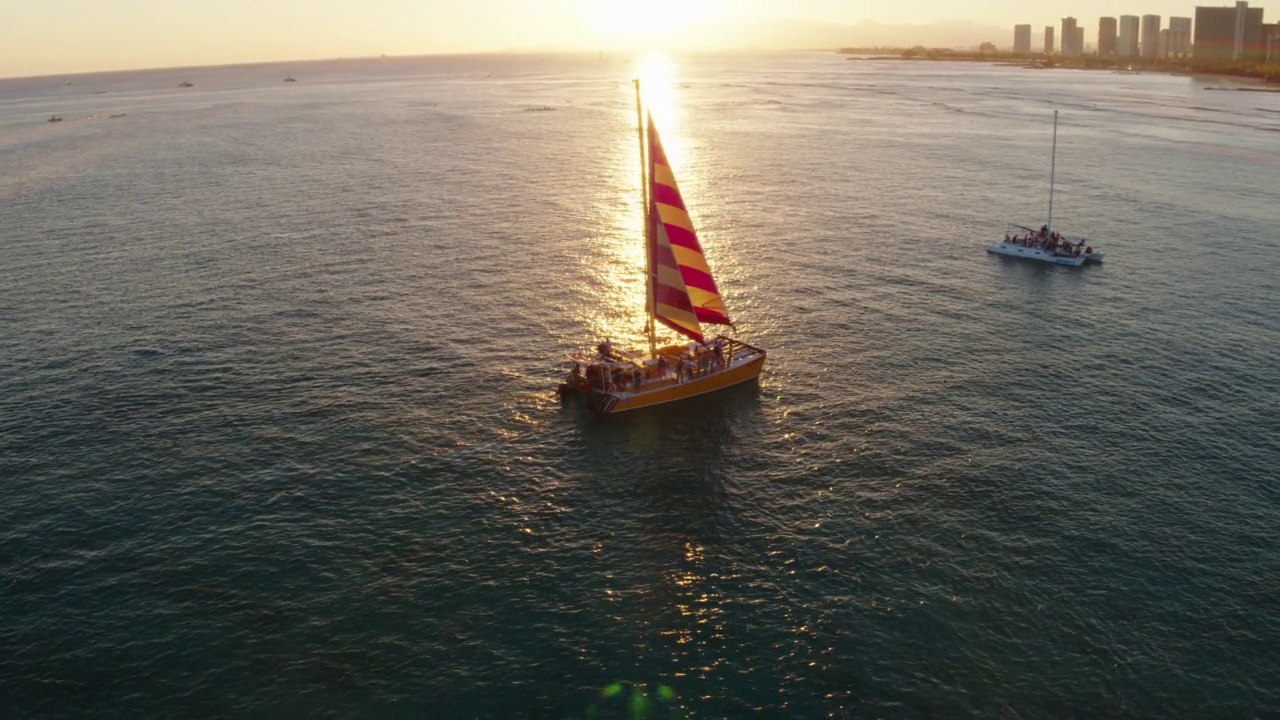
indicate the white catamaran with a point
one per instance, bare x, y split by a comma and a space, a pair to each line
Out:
680, 293
1046, 244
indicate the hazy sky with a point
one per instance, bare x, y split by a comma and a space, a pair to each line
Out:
52, 36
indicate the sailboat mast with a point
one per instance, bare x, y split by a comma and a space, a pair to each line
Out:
1053, 163
648, 229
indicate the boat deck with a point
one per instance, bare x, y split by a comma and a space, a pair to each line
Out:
626, 380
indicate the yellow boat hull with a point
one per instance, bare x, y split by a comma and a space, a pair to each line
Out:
612, 403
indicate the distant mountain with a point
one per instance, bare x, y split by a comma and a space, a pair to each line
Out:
947, 34
792, 34
766, 34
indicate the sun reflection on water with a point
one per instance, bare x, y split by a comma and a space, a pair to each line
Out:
617, 310
699, 632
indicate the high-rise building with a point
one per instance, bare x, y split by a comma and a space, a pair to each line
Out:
1048, 39
1150, 36
1127, 46
1069, 37
1107, 36
1229, 33
1022, 38
1078, 44
1271, 38
1163, 47
1179, 36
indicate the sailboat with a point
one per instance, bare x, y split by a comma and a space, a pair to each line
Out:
680, 294
1046, 244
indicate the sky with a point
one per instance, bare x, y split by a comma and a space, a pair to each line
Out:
41, 37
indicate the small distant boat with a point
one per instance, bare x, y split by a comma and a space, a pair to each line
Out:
538, 108
184, 83
55, 118
680, 293
290, 79
1046, 244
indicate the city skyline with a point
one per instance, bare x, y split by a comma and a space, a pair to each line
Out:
88, 36
1219, 33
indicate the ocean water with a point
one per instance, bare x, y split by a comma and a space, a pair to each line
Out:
278, 431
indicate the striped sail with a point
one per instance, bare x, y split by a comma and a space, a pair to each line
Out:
684, 293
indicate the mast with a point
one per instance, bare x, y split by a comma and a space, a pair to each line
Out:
648, 229
1053, 166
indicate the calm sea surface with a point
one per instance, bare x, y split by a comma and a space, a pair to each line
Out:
278, 433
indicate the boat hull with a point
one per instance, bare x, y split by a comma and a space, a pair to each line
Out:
1035, 253
612, 403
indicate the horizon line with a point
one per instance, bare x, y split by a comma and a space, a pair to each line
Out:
631, 47
469, 53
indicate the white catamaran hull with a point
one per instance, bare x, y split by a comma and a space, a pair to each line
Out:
1035, 253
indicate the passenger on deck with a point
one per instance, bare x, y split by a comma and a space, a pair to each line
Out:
605, 348
718, 348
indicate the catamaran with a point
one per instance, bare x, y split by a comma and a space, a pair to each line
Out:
1046, 244
680, 293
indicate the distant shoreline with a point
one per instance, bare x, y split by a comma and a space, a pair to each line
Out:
1264, 74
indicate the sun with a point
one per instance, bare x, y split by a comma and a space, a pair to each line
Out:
651, 19
657, 80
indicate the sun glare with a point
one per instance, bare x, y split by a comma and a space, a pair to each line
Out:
620, 265
649, 20
659, 88
657, 78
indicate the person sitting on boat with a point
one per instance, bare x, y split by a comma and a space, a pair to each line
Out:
605, 348
662, 366
718, 348
1044, 230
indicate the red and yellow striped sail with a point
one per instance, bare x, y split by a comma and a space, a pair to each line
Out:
684, 293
